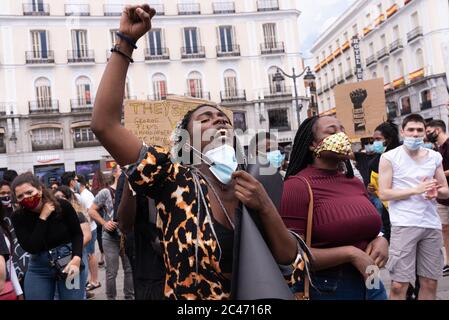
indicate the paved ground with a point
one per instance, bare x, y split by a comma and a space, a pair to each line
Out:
100, 293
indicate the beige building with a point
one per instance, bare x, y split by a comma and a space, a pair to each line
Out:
405, 42
53, 54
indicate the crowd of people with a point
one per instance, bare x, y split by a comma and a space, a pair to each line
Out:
172, 216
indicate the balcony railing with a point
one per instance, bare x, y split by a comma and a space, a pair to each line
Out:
157, 97
274, 92
82, 105
77, 10
223, 7
33, 9
42, 145
333, 83
267, 5
340, 79
396, 45
160, 9
152, 54
43, 106
325, 88
198, 52
383, 53
199, 95
39, 57
80, 56
319, 91
111, 10
228, 51
189, 8
414, 34
371, 60
272, 47
349, 74
426, 105
233, 96
86, 144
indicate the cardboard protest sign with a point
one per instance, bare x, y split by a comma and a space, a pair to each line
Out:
154, 121
361, 107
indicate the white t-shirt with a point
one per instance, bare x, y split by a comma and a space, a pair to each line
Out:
415, 211
87, 199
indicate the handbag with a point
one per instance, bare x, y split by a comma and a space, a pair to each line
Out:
306, 294
8, 292
60, 263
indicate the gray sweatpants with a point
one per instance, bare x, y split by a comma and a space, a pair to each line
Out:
112, 253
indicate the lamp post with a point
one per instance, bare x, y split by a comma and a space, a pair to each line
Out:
279, 77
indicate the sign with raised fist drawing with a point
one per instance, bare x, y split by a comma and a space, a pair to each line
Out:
361, 106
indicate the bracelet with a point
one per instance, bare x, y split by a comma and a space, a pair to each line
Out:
127, 39
116, 49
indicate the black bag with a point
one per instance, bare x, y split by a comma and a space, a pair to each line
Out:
60, 264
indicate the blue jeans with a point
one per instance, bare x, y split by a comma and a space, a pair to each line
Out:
41, 282
342, 283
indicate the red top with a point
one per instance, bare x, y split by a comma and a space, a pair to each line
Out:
343, 214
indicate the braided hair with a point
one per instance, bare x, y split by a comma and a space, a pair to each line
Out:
301, 155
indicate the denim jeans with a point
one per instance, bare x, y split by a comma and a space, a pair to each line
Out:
112, 254
342, 283
41, 282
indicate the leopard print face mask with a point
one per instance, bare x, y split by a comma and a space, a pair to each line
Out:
338, 143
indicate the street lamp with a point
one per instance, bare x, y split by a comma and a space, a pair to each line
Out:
279, 77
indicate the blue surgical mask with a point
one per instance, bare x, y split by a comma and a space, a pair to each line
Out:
369, 148
276, 158
428, 146
378, 147
413, 144
77, 187
223, 162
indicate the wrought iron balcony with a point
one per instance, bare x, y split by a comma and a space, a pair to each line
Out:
198, 52
39, 57
272, 47
223, 7
36, 9
43, 106
80, 56
231, 96
267, 5
228, 51
152, 54
189, 8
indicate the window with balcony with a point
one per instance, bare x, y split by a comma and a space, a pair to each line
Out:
156, 46
77, 10
276, 87
114, 8
387, 77
223, 7
44, 102
267, 5
189, 8
46, 139
36, 8
80, 52
159, 86
406, 106
84, 100
278, 119
40, 48
195, 85
419, 59
84, 137
426, 99
271, 45
192, 44
240, 120
158, 6
227, 46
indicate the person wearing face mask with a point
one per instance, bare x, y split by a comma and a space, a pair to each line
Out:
345, 235
5, 198
48, 229
436, 133
197, 188
411, 178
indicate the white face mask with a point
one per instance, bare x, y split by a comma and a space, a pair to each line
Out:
223, 162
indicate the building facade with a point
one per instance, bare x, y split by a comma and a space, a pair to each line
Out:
53, 54
405, 42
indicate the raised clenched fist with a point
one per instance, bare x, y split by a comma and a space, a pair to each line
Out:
136, 20
358, 97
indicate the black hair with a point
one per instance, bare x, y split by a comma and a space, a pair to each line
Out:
10, 175
301, 155
81, 179
66, 191
31, 179
67, 177
391, 134
5, 183
414, 117
437, 124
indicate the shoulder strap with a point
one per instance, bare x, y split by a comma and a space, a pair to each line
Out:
308, 233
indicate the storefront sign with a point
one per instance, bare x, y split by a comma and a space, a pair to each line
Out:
45, 159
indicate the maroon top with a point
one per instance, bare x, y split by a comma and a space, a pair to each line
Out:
444, 150
343, 215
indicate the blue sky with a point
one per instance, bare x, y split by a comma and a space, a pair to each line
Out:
316, 17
